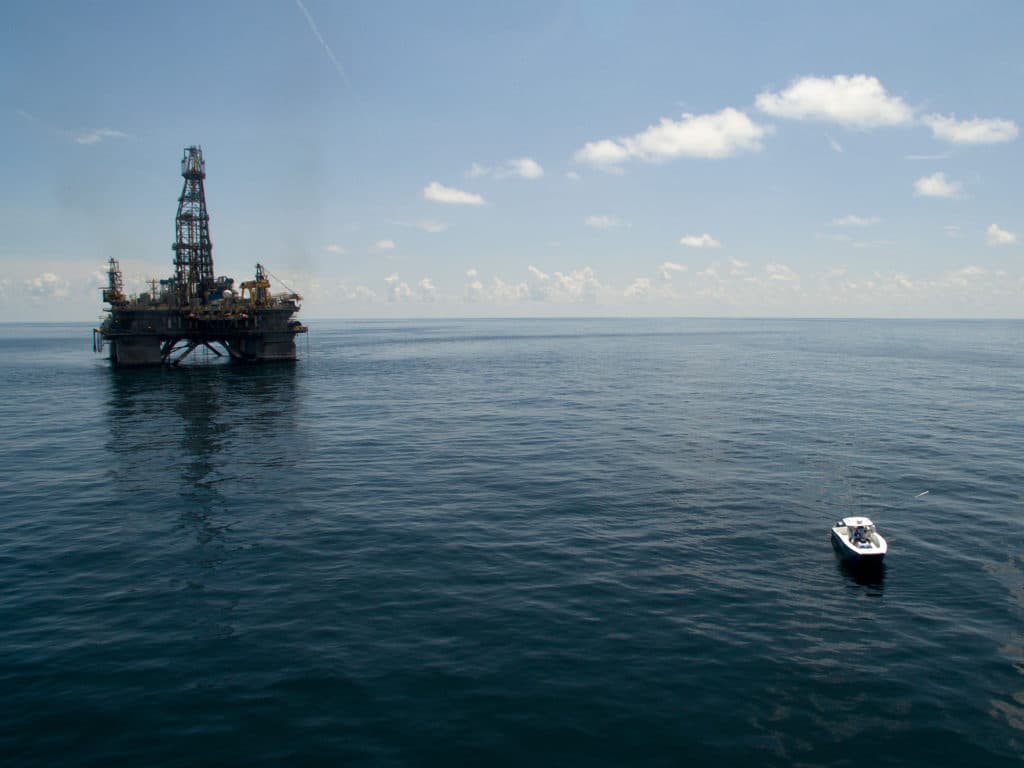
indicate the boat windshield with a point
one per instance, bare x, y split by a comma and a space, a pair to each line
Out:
860, 533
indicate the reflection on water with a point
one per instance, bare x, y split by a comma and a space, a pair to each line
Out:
865, 573
188, 438
206, 405
186, 454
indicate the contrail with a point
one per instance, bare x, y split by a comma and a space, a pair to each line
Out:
326, 47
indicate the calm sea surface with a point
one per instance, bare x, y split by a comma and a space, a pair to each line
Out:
558, 542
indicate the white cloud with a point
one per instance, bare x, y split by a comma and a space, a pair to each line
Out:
499, 292
996, 236
936, 185
965, 276
836, 146
640, 288
578, 285
872, 243
603, 152
427, 291
345, 291
523, 167
951, 230
781, 273
975, 131
670, 268
943, 156
699, 241
432, 227
384, 245
98, 278
728, 286
48, 286
363, 293
442, 194
505, 293
860, 101
602, 222
575, 286
572, 176
474, 287
95, 137
903, 281
334, 248
941, 294
716, 135
853, 220
397, 290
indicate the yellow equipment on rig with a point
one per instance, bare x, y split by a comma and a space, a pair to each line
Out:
259, 289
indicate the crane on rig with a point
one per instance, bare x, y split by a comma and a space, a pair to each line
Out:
259, 289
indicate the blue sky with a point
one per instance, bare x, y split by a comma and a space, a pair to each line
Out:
526, 159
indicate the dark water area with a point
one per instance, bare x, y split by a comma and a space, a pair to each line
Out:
566, 542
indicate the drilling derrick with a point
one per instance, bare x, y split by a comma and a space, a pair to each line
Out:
193, 309
193, 251
113, 294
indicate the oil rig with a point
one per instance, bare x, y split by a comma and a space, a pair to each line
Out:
194, 309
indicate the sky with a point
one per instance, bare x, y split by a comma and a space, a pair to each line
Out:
450, 159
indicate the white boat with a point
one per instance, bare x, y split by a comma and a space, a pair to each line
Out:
855, 538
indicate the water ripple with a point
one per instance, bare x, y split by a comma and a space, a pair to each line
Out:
586, 542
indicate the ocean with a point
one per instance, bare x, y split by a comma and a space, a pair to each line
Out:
504, 542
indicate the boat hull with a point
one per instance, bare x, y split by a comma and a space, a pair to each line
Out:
855, 554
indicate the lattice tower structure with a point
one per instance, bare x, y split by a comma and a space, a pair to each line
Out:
114, 292
193, 251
